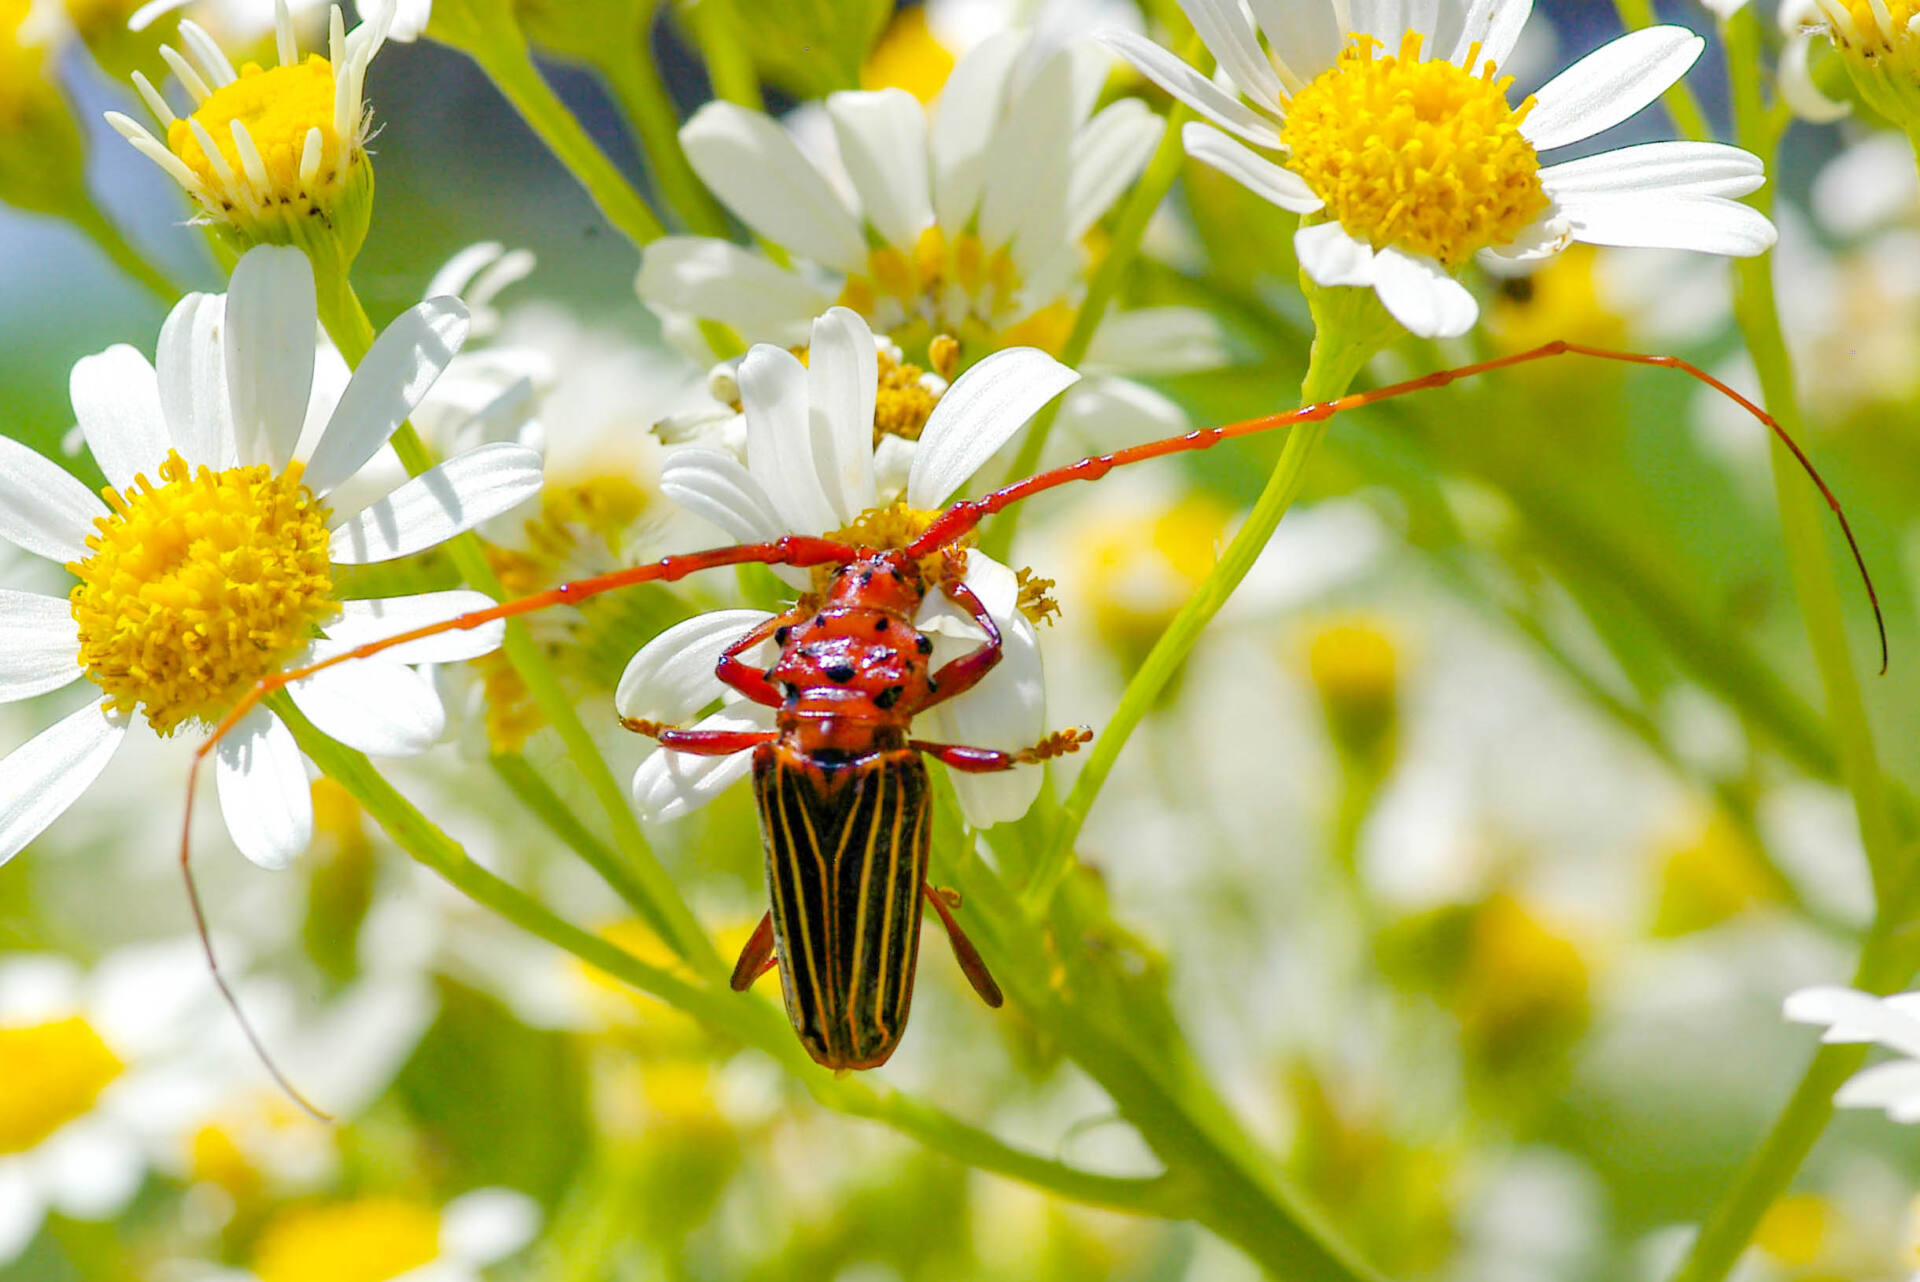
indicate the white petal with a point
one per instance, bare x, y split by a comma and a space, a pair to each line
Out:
1797, 87
1108, 154
22, 1209
116, 398
406, 360
192, 365
1546, 236
1107, 413
719, 488
270, 332
970, 108
1024, 200
39, 644
1894, 1087
1223, 27
773, 396
843, 374
372, 620
1853, 1016
436, 505
1504, 25
1382, 19
1418, 292
485, 1225
883, 144
1706, 225
377, 707
980, 413
1158, 340
671, 677
711, 278
43, 509
1270, 182
1305, 38
458, 271
669, 784
1610, 84
1192, 88
45, 775
754, 167
264, 794
1332, 257
90, 1169
1671, 168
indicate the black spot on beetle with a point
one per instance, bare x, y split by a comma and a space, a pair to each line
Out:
925, 643
881, 624
887, 697
840, 673
791, 690
781, 633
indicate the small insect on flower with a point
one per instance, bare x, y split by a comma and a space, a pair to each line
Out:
843, 792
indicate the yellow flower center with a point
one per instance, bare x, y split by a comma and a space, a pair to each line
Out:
279, 108
198, 588
903, 402
1867, 22
369, 1240
893, 526
1425, 156
54, 1073
909, 56
957, 287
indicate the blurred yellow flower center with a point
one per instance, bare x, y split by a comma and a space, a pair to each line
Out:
199, 587
103, 16
956, 287
370, 1240
910, 57
279, 108
1425, 156
19, 63
54, 1073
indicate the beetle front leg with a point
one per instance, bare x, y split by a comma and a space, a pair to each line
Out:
699, 743
981, 761
752, 681
964, 673
944, 901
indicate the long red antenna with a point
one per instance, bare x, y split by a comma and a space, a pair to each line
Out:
965, 515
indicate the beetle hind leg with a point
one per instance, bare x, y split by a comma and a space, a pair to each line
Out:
757, 958
944, 902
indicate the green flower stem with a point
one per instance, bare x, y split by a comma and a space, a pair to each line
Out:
487, 32
729, 67
1340, 351
1803, 522
1156, 180
114, 244
661, 903
1688, 118
748, 1020
635, 81
1887, 960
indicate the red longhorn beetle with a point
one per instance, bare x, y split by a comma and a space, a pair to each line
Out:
841, 787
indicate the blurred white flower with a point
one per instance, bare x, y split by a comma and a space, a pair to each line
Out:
242, 22
1800, 21
1331, 104
810, 469
195, 588
1893, 1022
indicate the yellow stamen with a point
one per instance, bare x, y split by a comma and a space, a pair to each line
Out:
55, 1071
370, 1240
1424, 156
278, 108
903, 402
894, 526
909, 56
198, 588
954, 288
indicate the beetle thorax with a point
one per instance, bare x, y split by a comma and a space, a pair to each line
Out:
856, 670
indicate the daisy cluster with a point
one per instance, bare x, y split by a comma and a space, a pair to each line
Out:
1467, 817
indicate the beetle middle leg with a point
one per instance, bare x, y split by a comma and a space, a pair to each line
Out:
980, 761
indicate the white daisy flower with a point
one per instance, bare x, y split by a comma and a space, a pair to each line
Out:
95, 1063
1409, 165
1800, 21
1893, 1022
242, 22
274, 156
966, 218
810, 469
392, 1237
210, 564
